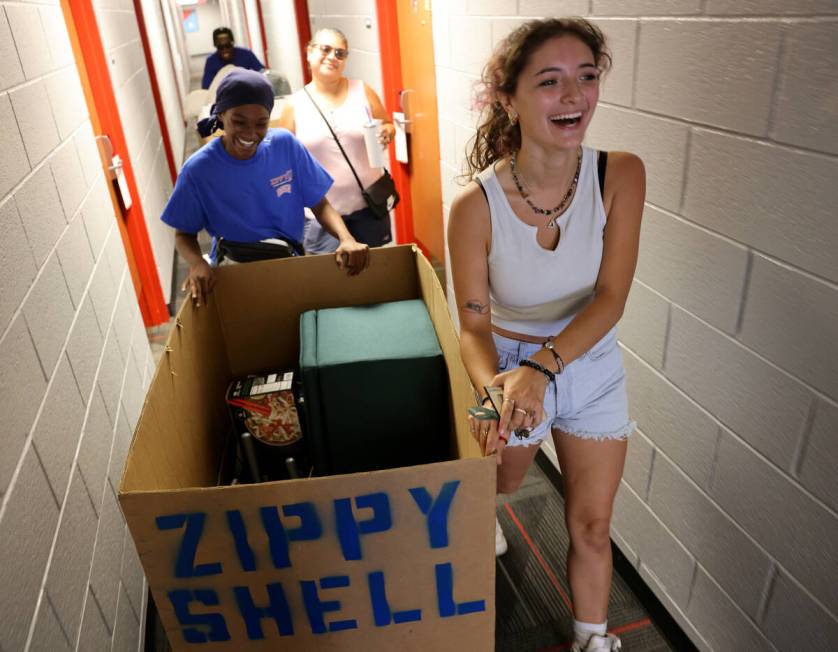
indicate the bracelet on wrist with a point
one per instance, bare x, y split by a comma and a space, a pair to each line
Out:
558, 358
532, 364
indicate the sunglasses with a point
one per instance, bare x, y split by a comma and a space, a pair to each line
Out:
326, 50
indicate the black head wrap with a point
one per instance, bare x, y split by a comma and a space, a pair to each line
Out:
239, 87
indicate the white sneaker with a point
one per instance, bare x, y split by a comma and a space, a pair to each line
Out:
501, 546
597, 643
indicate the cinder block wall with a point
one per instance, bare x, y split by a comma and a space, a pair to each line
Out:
74, 358
728, 508
358, 20
283, 43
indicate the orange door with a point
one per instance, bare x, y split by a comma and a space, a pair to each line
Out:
408, 77
418, 100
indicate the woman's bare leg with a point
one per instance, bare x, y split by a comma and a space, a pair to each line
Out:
515, 461
591, 471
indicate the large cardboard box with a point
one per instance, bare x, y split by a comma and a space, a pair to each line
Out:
399, 559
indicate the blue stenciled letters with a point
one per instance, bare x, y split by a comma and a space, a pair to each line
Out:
239, 532
445, 595
268, 557
315, 607
310, 529
185, 564
349, 530
436, 511
381, 608
277, 609
180, 600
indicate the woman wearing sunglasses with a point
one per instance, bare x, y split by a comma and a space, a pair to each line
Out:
543, 245
227, 52
348, 105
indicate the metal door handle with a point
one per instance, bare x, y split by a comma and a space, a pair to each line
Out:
404, 102
405, 124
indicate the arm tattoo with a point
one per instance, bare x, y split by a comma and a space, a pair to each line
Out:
475, 306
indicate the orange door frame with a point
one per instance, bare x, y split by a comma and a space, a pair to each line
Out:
263, 32
155, 90
303, 34
391, 79
243, 6
104, 114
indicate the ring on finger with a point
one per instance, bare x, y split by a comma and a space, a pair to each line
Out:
521, 410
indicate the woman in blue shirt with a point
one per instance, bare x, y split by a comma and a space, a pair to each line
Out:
251, 184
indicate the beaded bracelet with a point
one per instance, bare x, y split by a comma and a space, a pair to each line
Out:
532, 364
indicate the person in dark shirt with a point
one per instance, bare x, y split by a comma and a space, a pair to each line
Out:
227, 53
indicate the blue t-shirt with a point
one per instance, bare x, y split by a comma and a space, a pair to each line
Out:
242, 57
247, 201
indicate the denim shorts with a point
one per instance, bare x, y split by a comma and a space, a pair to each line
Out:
588, 400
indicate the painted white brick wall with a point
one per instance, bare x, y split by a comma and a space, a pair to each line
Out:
74, 360
358, 20
283, 42
729, 505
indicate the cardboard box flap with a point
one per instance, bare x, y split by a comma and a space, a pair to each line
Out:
462, 391
262, 299
183, 423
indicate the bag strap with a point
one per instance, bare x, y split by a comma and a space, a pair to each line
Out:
340, 147
602, 161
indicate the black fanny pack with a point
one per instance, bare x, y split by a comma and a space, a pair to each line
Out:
381, 196
248, 252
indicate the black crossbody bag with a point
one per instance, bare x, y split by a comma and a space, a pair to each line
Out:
248, 252
381, 196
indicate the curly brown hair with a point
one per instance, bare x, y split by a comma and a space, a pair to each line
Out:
496, 136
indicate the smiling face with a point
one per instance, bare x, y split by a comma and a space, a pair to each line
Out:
324, 55
224, 47
244, 128
556, 93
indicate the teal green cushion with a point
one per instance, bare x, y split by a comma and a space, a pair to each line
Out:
386, 331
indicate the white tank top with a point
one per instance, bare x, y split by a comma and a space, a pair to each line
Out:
348, 122
535, 291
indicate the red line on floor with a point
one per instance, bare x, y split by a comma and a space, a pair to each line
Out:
622, 629
630, 627
551, 576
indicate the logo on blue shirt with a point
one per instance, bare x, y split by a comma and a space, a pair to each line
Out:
282, 183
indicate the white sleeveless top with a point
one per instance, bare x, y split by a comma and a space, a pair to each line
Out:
535, 291
348, 122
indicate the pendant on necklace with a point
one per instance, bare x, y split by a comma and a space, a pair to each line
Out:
552, 223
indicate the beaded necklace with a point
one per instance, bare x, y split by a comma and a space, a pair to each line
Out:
551, 213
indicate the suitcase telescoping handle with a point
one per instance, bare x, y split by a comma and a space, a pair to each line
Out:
250, 456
